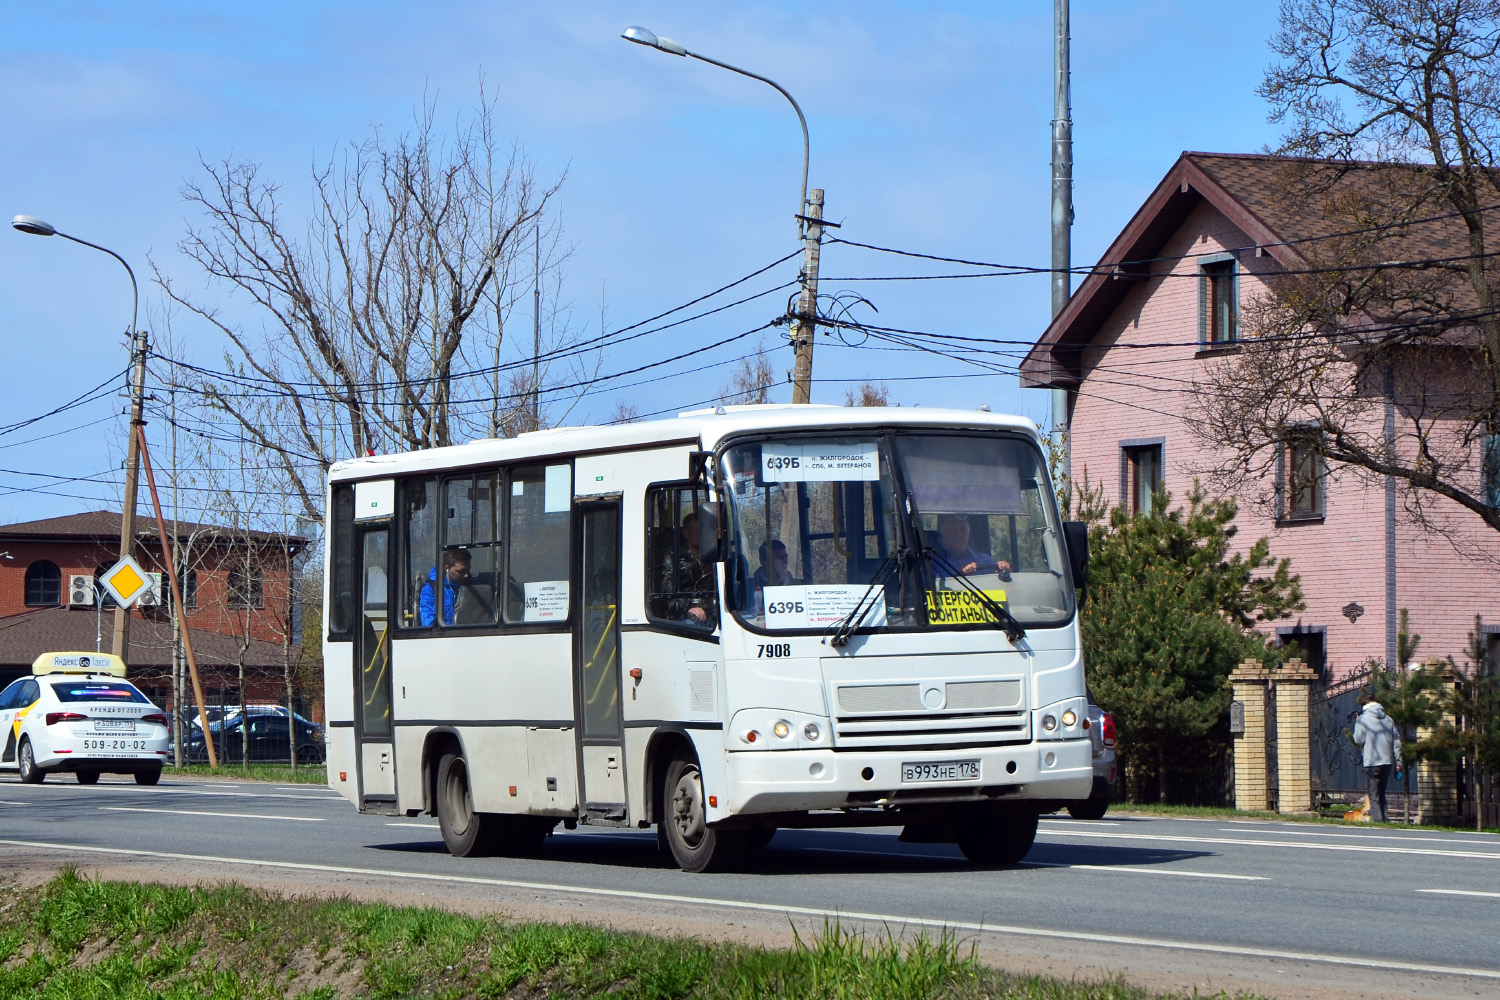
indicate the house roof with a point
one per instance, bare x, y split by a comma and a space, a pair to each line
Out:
1284, 205
25, 636
104, 526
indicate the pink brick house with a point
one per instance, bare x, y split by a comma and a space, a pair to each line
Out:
1165, 302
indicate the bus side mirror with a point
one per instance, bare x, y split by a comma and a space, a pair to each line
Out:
1076, 535
709, 549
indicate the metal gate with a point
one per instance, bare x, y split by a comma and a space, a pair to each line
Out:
1337, 766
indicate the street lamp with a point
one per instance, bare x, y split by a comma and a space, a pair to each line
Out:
809, 214
33, 226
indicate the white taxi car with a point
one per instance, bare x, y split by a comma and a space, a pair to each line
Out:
78, 713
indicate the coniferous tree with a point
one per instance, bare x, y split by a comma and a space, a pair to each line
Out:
1168, 615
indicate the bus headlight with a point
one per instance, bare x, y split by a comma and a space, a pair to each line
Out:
812, 732
782, 729
1069, 717
1049, 722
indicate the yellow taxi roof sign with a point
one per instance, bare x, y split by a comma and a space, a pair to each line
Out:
79, 663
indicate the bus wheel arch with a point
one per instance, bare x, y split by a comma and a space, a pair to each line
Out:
439, 742
665, 745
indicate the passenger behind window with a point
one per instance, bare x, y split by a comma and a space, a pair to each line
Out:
456, 589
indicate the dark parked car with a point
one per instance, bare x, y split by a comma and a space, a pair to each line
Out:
269, 739
1102, 735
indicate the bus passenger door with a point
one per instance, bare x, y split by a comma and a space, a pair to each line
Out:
596, 659
374, 752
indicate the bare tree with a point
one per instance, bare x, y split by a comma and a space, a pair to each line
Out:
751, 380
1381, 356
370, 326
868, 394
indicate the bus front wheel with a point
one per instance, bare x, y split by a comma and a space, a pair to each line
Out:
695, 846
991, 838
466, 833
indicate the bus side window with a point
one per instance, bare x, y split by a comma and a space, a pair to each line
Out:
681, 588
341, 609
419, 528
470, 528
539, 550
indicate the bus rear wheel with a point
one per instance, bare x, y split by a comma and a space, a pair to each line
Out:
695, 846
994, 838
466, 833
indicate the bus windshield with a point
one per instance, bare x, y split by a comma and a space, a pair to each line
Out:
814, 531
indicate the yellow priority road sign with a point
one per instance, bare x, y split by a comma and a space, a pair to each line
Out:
126, 582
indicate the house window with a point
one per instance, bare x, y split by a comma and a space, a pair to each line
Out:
188, 581
43, 584
1142, 476
1306, 474
1221, 310
244, 588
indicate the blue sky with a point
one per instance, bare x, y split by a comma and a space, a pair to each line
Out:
929, 125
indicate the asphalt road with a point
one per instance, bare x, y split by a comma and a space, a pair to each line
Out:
1291, 910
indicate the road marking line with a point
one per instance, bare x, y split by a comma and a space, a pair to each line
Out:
182, 789
194, 812
1462, 892
1132, 870
807, 911
1080, 822
1361, 848
422, 826
6, 802
1388, 838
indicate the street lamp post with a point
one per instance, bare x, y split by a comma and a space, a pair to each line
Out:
36, 227
809, 216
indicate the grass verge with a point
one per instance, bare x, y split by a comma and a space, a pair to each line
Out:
80, 938
1218, 812
304, 774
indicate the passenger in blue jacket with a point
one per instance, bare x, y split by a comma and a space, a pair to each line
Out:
455, 576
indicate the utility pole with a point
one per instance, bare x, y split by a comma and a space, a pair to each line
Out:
132, 475
805, 327
1062, 208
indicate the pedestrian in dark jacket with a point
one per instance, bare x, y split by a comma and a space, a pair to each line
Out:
1375, 731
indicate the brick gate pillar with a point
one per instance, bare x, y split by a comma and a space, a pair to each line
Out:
1293, 686
1437, 782
1250, 791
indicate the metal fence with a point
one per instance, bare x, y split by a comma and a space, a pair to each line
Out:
1337, 766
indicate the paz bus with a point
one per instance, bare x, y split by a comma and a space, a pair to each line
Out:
739, 620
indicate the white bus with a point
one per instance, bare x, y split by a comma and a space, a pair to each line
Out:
740, 620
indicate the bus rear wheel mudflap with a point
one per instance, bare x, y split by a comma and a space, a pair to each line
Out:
989, 836
695, 845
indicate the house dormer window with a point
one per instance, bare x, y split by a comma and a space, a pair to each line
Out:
1219, 320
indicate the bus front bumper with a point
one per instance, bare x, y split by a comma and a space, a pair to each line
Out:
800, 780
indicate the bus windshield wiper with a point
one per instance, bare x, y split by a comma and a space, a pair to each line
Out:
843, 630
1001, 618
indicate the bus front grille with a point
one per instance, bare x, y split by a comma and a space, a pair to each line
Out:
931, 730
